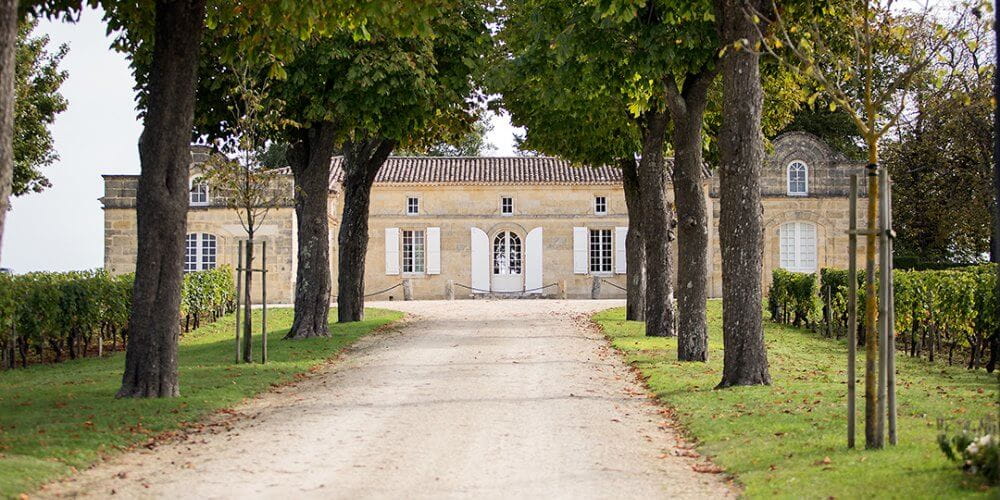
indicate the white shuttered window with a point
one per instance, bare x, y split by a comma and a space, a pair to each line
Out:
392, 250
798, 247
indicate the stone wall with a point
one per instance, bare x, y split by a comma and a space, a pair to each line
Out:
121, 243
826, 204
557, 209
456, 209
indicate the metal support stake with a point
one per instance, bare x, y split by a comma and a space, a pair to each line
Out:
852, 310
239, 286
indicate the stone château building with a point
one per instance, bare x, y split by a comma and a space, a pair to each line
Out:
488, 225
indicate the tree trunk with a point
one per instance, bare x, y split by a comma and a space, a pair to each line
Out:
635, 272
741, 219
310, 155
161, 202
8, 48
657, 224
362, 161
687, 110
994, 347
995, 240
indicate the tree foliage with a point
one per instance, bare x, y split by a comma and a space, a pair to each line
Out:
37, 101
941, 159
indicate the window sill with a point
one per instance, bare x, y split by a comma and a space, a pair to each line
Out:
798, 195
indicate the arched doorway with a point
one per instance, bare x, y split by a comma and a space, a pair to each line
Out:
507, 263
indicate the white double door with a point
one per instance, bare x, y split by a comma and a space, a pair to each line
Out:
507, 263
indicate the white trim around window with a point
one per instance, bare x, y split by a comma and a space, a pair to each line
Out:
797, 178
200, 251
414, 254
506, 205
600, 205
412, 205
798, 247
198, 195
600, 251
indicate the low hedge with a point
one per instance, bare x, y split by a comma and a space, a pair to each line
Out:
938, 312
51, 316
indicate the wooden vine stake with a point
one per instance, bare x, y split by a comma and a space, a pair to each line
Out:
263, 302
852, 310
888, 309
239, 287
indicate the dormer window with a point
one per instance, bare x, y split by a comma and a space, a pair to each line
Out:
199, 192
798, 179
506, 205
412, 205
600, 205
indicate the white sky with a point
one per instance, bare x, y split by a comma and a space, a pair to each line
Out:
62, 228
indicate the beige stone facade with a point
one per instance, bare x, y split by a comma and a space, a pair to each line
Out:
552, 236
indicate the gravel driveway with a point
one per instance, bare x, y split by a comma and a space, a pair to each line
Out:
495, 399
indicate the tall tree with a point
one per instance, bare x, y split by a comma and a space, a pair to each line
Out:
606, 63
411, 93
8, 49
995, 247
741, 214
695, 54
581, 119
36, 105
161, 201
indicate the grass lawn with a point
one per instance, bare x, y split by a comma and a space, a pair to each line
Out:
789, 439
54, 418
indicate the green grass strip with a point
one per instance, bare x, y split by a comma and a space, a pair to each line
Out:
54, 418
789, 440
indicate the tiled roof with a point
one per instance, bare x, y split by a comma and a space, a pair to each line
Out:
483, 170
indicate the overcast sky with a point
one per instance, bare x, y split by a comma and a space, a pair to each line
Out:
62, 228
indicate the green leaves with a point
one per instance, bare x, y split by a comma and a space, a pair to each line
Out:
959, 305
37, 101
47, 309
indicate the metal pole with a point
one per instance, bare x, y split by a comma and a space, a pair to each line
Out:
883, 304
891, 316
263, 301
239, 286
852, 309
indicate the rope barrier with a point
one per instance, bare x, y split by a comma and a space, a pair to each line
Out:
614, 285
397, 285
393, 287
476, 290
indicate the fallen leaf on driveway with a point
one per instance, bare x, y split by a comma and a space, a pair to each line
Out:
707, 468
